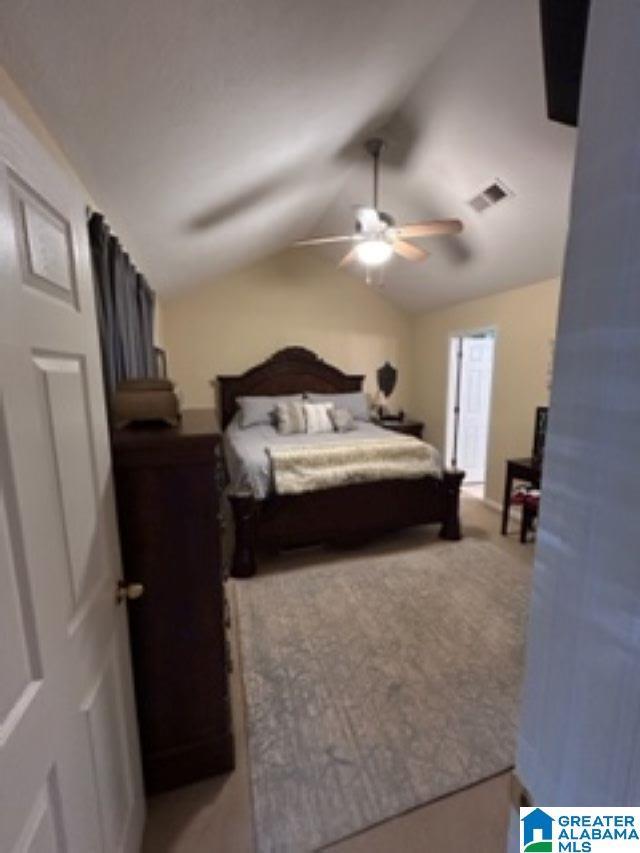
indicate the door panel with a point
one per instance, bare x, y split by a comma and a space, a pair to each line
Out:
105, 714
475, 399
66, 414
43, 831
68, 741
20, 666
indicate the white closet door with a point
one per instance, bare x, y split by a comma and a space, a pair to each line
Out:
475, 400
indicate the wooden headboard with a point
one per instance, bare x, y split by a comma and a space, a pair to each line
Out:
292, 370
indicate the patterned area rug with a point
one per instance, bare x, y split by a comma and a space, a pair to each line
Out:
376, 682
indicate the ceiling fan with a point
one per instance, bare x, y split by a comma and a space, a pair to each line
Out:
376, 236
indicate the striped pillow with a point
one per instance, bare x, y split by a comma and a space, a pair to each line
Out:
290, 418
318, 418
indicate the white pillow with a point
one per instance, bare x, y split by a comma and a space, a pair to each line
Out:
317, 417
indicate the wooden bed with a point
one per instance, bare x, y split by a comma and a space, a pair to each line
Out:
346, 514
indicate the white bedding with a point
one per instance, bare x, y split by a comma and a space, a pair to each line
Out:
248, 461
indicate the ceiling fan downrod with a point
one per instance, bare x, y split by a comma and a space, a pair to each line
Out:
374, 147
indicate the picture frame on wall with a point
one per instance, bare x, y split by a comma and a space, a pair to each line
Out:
540, 433
161, 362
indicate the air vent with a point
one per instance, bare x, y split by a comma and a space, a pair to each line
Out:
490, 196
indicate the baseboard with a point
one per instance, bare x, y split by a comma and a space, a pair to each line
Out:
514, 514
492, 504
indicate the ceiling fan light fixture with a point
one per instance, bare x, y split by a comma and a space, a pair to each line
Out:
376, 235
374, 253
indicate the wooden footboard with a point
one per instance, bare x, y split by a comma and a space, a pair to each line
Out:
342, 515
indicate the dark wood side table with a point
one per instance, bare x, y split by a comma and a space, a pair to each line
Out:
407, 426
527, 469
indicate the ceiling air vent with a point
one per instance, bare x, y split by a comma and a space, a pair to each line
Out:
490, 196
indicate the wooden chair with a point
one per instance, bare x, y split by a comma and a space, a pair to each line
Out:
529, 500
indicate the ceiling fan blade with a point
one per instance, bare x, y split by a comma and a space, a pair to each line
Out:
318, 241
409, 251
348, 258
433, 228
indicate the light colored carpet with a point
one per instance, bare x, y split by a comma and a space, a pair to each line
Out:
376, 682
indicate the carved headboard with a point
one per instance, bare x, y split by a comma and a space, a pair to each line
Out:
292, 370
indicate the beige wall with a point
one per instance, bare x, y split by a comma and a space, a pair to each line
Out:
525, 321
292, 298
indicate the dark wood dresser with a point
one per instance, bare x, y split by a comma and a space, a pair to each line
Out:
169, 485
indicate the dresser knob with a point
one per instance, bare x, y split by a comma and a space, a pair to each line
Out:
128, 591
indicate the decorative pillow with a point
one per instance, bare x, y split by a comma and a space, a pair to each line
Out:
290, 418
317, 417
356, 402
260, 410
343, 420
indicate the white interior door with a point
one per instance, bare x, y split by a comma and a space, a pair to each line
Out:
69, 760
475, 400
452, 402
579, 742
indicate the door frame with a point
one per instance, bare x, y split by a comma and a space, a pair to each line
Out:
490, 330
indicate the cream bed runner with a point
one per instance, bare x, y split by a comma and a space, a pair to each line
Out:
311, 468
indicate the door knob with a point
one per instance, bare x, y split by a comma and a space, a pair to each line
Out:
128, 591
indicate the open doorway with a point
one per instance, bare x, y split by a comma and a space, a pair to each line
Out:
471, 358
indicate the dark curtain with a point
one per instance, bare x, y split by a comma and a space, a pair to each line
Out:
125, 305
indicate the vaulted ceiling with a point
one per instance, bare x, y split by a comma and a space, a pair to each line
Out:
213, 133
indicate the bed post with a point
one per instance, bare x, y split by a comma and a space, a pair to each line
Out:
245, 520
451, 481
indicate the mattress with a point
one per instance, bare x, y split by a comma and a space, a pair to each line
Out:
247, 451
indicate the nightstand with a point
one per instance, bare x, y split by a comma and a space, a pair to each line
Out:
406, 426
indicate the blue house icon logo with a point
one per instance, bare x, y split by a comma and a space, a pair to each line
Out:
537, 832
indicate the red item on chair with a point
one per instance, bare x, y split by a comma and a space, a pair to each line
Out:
519, 495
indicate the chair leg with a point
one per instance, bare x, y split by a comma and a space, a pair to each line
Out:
529, 515
524, 524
